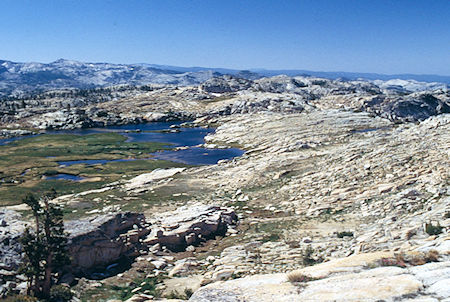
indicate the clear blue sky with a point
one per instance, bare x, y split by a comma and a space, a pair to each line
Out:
395, 36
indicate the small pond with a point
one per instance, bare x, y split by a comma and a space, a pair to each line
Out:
63, 176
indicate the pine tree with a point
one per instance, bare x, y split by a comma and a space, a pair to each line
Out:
45, 247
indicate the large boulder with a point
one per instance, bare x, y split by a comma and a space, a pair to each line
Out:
103, 239
189, 225
63, 119
11, 228
144, 181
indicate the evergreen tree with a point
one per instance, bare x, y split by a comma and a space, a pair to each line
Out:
45, 247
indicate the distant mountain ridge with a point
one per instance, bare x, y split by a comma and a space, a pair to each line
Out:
322, 74
357, 75
18, 78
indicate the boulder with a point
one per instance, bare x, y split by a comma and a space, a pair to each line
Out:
143, 180
190, 225
63, 119
99, 242
156, 117
183, 266
103, 239
11, 228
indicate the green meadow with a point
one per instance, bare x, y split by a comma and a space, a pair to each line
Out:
25, 164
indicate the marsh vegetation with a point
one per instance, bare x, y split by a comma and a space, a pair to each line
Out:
28, 165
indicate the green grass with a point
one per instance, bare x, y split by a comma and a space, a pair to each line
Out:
67, 146
124, 167
14, 194
38, 156
122, 291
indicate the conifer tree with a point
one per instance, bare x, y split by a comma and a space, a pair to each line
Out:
45, 247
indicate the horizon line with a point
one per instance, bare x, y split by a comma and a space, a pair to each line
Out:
253, 69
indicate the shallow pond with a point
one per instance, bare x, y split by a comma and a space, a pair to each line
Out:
63, 176
198, 156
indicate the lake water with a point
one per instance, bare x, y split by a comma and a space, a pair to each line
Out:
157, 132
63, 176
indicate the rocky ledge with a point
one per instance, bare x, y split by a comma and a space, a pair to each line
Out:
227, 95
380, 276
11, 228
190, 225
103, 240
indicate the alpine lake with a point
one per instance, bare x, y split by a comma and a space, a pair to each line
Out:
73, 161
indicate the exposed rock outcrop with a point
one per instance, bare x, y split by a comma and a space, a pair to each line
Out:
362, 277
104, 239
226, 83
189, 225
410, 109
11, 228
143, 181
6, 133
224, 95
64, 119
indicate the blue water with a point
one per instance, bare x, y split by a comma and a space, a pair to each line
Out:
63, 176
185, 136
9, 140
149, 132
85, 161
198, 156
155, 132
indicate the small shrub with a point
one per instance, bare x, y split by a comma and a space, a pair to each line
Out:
271, 237
431, 229
427, 257
60, 293
431, 256
410, 234
50, 172
146, 285
236, 275
308, 258
294, 244
297, 277
20, 298
188, 292
414, 259
174, 295
344, 234
181, 296
394, 261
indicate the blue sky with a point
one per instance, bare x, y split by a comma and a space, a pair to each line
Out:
396, 36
